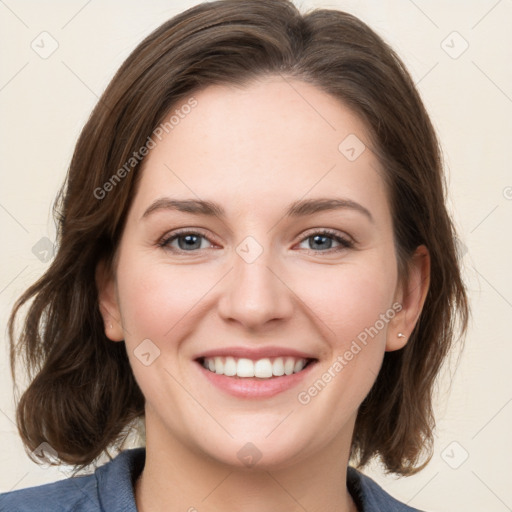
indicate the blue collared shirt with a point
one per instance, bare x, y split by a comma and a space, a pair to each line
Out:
110, 489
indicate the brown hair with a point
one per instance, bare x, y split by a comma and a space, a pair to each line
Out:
83, 394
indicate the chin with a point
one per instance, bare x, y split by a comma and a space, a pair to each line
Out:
260, 451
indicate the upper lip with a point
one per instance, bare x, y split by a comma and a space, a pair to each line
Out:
254, 353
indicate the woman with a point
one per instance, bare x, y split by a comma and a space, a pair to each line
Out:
254, 257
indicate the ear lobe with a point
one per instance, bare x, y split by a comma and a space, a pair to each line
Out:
411, 295
108, 304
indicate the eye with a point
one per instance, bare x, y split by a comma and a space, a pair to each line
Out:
322, 241
193, 241
185, 241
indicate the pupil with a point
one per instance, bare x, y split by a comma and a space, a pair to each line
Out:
190, 243
317, 237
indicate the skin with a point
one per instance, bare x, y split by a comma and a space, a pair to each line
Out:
255, 150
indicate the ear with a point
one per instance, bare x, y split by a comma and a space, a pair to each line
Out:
411, 295
108, 303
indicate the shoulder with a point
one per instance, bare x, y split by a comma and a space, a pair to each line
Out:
370, 496
75, 493
108, 489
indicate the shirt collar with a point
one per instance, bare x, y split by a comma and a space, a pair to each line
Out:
116, 479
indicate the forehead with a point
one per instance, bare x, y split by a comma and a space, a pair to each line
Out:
273, 140
270, 117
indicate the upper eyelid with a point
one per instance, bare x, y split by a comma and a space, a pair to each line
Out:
186, 231
327, 231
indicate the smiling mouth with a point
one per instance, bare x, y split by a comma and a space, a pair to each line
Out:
265, 368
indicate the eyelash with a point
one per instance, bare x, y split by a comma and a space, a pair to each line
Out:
345, 243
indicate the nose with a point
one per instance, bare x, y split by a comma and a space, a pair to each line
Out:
255, 294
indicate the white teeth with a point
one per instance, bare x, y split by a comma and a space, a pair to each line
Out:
262, 368
278, 367
299, 365
219, 366
230, 367
245, 368
289, 365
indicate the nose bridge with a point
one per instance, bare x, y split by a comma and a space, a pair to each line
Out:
254, 293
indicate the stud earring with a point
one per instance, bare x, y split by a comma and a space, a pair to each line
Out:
400, 335
111, 326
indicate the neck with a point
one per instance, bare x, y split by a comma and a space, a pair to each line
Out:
177, 478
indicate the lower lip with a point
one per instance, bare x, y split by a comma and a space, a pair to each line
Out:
253, 387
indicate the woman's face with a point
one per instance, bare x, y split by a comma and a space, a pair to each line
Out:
224, 262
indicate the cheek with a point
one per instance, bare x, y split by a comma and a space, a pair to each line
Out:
161, 303
155, 298
348, 299
352, 306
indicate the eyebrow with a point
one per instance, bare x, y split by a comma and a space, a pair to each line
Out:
299, 208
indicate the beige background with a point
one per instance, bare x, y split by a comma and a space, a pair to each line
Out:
45, 101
